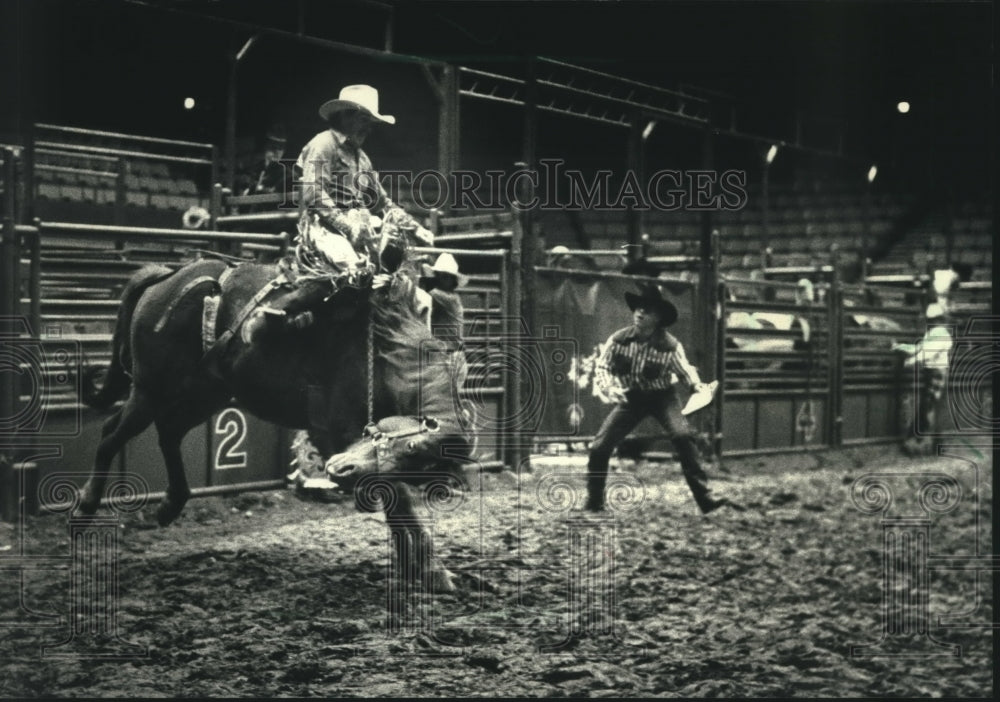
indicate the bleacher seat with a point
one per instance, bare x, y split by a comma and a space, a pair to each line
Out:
104, 196
159, 201
187, 187
49, 191
133, 197
73, 193
180, 202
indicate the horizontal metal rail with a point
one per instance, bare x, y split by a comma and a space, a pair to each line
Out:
258, 217
117, 232
75, 154
476, 253
125, 152
625, 81
79, 171
118, 135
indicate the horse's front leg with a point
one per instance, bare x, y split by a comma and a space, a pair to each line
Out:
412, 543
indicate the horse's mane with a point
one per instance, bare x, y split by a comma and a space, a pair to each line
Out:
414, 365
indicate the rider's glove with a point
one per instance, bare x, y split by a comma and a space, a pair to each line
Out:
424, 236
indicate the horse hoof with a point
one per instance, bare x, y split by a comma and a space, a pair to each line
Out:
443, 580
87, 508
88, 503
167, 513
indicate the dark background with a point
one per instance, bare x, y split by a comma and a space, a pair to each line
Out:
127, 66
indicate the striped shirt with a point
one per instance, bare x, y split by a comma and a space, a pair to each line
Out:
932, 351
629, 363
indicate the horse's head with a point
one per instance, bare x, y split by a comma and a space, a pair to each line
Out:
410, 448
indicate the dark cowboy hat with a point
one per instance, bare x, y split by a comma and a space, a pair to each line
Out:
276, 136
650, 297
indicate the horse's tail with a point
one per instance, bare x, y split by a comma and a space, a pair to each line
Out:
116, 379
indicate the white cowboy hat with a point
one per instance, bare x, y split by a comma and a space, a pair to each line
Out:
447, 264
354, 97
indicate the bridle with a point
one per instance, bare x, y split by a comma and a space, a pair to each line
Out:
384, 440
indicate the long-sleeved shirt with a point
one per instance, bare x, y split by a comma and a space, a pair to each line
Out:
447, 317
629, 363
337, 176
932, 350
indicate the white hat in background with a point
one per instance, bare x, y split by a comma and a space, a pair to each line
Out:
447, 265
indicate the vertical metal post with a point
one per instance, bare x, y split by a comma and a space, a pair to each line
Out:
448, 122
765, 200
523, 248
720, 370
707, 270
119, 214
9, 262
866, 232
231, 123
28, 204
835, 348
35, 279
634, 165
214, 176
215, 206
529, 238
508, 300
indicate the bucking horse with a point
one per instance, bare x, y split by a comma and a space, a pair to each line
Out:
315, 378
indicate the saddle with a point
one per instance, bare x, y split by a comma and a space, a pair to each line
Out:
304, 267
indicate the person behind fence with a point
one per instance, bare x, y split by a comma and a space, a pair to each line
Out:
347, 221
447, 312
930, 356
635, 371
266, 174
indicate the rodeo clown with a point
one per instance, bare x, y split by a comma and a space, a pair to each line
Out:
343, 204
634, 371
930, 356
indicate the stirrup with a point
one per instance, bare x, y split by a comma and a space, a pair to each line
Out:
264, 320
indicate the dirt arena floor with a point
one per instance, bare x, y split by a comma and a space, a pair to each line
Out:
268, 595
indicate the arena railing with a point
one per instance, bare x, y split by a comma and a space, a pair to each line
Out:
874, 389
88, 156
776, 361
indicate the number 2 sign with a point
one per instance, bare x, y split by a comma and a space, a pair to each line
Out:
231, 425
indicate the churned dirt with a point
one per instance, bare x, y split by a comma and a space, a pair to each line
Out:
269, 595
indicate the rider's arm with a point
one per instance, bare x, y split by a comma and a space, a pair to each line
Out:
315, 162
385, 208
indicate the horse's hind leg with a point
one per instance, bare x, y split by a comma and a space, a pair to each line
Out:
172, 428
128, 421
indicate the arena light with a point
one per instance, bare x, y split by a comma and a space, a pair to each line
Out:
649, 129
189, 103
872, 172
771, 153
903, 107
